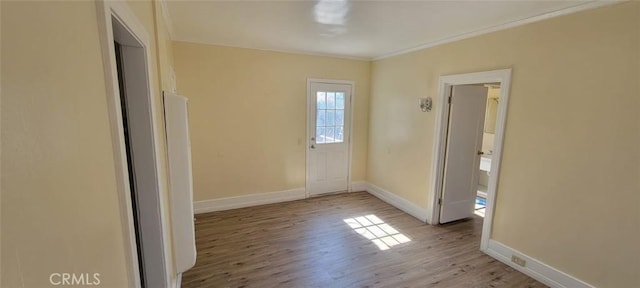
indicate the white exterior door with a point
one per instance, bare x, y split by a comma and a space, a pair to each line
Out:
462, 158
329, 109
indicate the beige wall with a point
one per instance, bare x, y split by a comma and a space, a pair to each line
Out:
248, 111
60, 208
568, 193
565, 196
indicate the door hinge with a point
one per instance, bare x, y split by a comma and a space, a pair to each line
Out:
439, 201
450, 99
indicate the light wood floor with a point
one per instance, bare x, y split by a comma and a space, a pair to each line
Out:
307, 243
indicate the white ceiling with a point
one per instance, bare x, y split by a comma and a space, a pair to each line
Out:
345, 28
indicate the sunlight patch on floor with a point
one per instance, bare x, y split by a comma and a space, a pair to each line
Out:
374, 229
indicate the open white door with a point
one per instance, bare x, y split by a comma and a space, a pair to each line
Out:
462, 159
328, 146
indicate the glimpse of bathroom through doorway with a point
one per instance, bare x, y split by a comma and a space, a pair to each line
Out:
493, 98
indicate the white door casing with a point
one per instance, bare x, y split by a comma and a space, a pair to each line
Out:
445, 83
462, 158
117, 23
328, 131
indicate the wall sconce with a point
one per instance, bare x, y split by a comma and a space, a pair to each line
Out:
425, 104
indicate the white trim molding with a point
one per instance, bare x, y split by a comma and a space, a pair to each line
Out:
534, 268
105, 12
243, 201
179, 38
397, 201
221, 204
504, 26
352, 110
445, 40
442, 117
109, 11
179, 280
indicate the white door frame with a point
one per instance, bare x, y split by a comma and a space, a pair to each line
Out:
308, 141
442, 118
107, 12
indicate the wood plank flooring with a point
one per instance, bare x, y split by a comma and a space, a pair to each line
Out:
307, 243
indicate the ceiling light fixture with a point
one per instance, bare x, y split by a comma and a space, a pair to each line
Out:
331, 12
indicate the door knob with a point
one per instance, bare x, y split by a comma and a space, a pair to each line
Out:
312, 146
480, 153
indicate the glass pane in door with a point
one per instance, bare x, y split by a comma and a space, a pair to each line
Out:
329, 117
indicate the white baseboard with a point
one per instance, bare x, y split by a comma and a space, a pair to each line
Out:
221, 204
248, 200
534, 268
397, 201
542, 272
358, 186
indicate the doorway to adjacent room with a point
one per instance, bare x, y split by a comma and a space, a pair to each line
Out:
459, 154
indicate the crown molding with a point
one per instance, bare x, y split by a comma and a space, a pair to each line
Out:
566, 11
